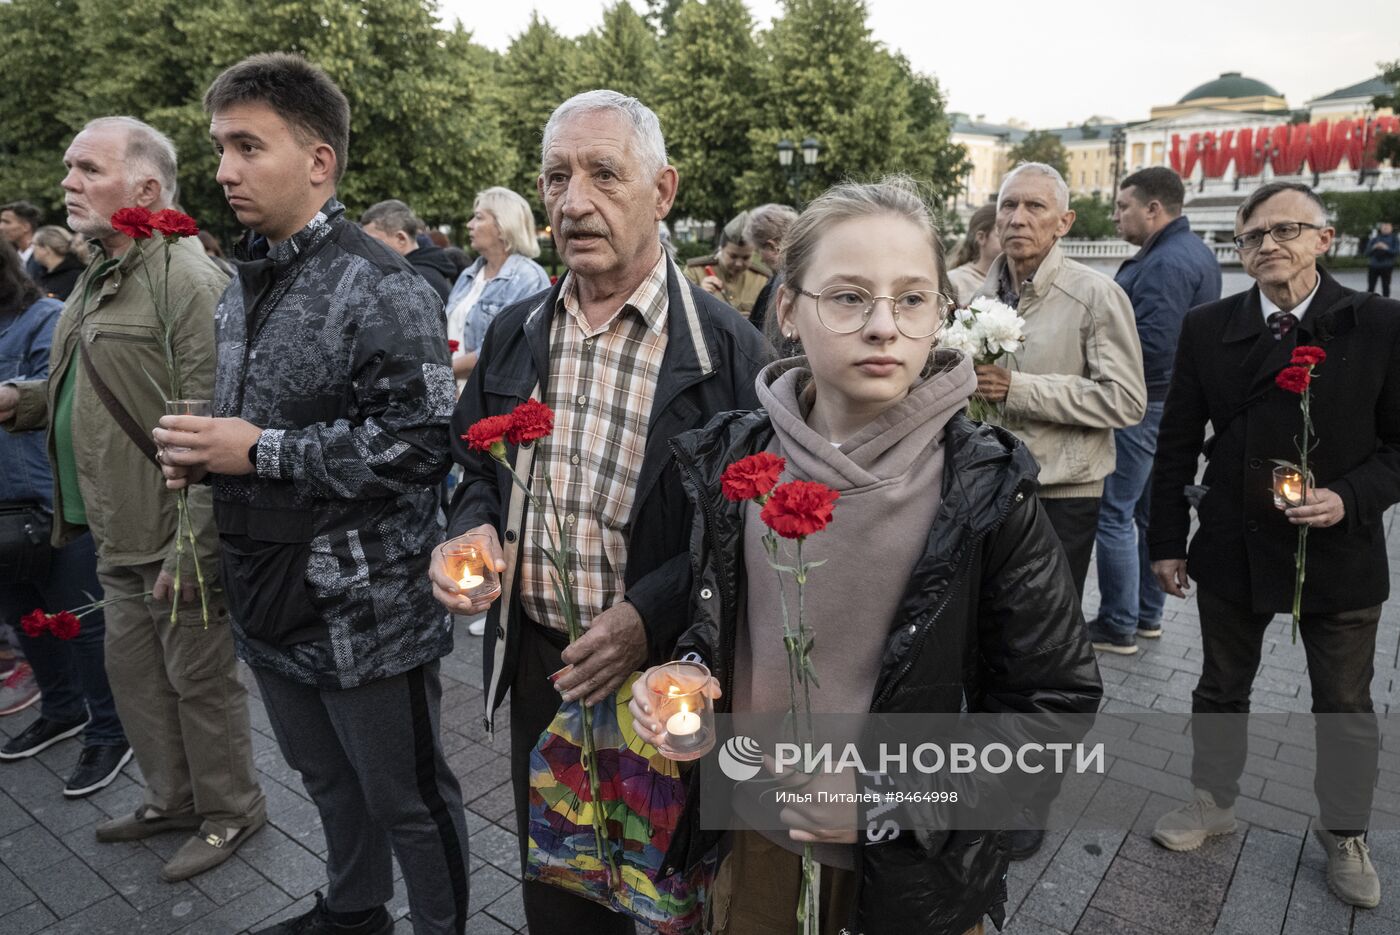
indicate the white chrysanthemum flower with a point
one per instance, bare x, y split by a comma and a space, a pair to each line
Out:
958, 337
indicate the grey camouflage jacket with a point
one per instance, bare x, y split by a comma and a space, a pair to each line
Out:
337, 349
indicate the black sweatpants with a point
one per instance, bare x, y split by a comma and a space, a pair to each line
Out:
372, 762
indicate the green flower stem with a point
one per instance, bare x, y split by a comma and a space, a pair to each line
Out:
1300, 558
558, 555
85, 609
798, 643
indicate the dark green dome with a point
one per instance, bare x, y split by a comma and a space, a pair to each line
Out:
1231, 84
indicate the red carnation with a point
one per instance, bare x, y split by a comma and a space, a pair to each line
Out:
798, 508
1308, 355
452, 345
174, 224
531, 420
485, 434
751, 477
133, 222
1294, 379
64, 625
34, 623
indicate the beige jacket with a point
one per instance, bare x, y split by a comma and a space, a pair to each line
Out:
131, 514
1078, 376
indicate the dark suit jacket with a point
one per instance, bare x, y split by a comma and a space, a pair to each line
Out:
1225, 367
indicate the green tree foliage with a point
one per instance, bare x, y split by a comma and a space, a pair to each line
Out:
1357, 213
1093, 219
622, 54
418, 130
539, 71
1041, 146
824, 76
437, 117
703, 101
1388, 146
661, 15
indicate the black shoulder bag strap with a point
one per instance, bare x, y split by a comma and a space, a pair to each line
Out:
138, 436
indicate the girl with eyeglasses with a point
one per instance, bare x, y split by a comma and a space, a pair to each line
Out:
944, 587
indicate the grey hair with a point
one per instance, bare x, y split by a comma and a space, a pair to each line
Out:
646, 128
769, 222
391, 217
149, 154
1264, 192
1039, 168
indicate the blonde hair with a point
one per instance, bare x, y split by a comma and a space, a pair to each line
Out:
513, 217
61, 242
981, 222
897, 196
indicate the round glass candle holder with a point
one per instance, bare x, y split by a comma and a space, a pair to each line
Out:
466, 562
1289, 490
684, 711
188, 407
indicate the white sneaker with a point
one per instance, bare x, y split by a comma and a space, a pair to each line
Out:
477, 626
1350, 873
1186, 828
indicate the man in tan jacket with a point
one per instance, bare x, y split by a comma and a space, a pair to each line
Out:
176, 686
1076, 379
1079, 374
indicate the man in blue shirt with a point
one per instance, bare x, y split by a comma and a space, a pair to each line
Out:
1381, 250
1173, 272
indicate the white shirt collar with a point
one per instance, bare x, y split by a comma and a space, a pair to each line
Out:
26, 253
1297, 311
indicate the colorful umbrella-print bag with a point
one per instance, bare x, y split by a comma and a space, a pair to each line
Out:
642, 796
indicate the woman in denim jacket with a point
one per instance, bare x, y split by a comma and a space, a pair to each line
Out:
68, 677
502, 233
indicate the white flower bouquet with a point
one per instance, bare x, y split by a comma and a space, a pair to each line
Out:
986, 330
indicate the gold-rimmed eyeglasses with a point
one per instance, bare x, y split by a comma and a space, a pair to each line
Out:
844, 309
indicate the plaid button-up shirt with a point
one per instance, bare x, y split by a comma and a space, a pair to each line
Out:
601, 385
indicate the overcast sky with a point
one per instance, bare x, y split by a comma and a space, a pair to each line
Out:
1060, 62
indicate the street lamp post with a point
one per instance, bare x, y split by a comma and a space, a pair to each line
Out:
797, 169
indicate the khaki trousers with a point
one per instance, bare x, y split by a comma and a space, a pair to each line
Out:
179, 698
757, 887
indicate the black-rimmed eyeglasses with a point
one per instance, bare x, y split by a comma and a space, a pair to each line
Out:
1288, 230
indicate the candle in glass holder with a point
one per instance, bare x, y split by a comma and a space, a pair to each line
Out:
1288, 487
466, 563
678, 698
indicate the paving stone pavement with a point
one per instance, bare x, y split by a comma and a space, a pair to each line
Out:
56, 880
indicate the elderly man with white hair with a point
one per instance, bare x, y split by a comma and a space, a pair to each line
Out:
1077, 378
174, 680
628, 354
1079, 374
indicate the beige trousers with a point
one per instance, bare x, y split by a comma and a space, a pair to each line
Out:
180, 701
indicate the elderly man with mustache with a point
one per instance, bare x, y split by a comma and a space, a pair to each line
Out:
627, 353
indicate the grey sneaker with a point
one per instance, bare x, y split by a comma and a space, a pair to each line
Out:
1186, 828
1350, 873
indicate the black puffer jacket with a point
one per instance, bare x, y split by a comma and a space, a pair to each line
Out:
989, 620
